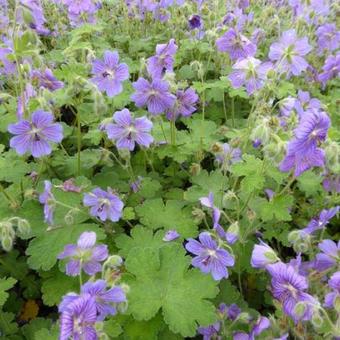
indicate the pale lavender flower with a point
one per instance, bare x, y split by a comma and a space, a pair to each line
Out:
106, 300
81, 11
104, 204
263, 255
331, 69
304, 103
163, 60
69, 186
228, 155
78, 319
184, 104
236, 44
289, 53
127, 131
320, 222
8, 67
289, 288
47, 199
35, 136
328, 37
333, 298
209, 203
171, 235
329, 257
209, 257
37, 19
85, 255
47, 80
108, 74
249, 72
155, 95
210, 331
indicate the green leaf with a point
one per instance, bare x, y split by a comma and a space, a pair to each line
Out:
47, 334
141, 237
155, 214
7, 323
44, 249
251, 169
5, 284
309, 183
163, 281
55, 285
277, 208
29, 331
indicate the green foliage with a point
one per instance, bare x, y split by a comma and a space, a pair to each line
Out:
278, 208
162, 281
5, 284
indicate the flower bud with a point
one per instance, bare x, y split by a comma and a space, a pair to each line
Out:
317, 319
233, 233
24, 228
7, 243
195, 169
114, 261
243, 317
69, 218
261, 131
300, 309
198, 215
124, 153
332, 151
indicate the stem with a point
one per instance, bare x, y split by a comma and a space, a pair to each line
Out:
9, 198
173, 132
290, 182
233, 111
148, 160
78, 142
161, 124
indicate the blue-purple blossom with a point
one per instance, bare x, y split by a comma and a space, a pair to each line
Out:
236, 44
261, 325
332, 299
47, 199
209, 203
127, 131
34, 136
304, 103
289, 288
331, 69
320, 222
171, 235
263, 255
210, 331
24, 99
37, 19
47, 80
108, 74
329, 256
163, 60
77, 320
8, 67
85, 255
104, 204
228, 156
155, 95
195, 21
328, 37
210, 258
106, 300
289, 53
184, 104
81, 11
249, 72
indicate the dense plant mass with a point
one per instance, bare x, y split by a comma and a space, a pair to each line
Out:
169, 169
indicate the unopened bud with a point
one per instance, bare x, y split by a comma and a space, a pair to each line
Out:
198, 214
195, 169
69, 219
114, 261
124, 154
24, 228
243, 317
7, 243
261, 131
317, 319
300, 309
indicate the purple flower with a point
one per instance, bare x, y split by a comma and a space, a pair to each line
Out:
329, 257
136, 185
209, 203
231, 312
195, 21
37, 19
331, 183
171, 235
8, 67
109, 74
78, 319
289, 287
328, 37
34, 136
237, 45
289, 53
322, 220
304, 103
300, 159
333, 298
69, 186
155, 95
24, 98
228, 156
104, 204
85, 255
210, 331
48, 200
261, 324
331, 69
81, 11
47, 80
184, 104
209, 257
127, 131
163, 60
263, 255
106, 301
249, 72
